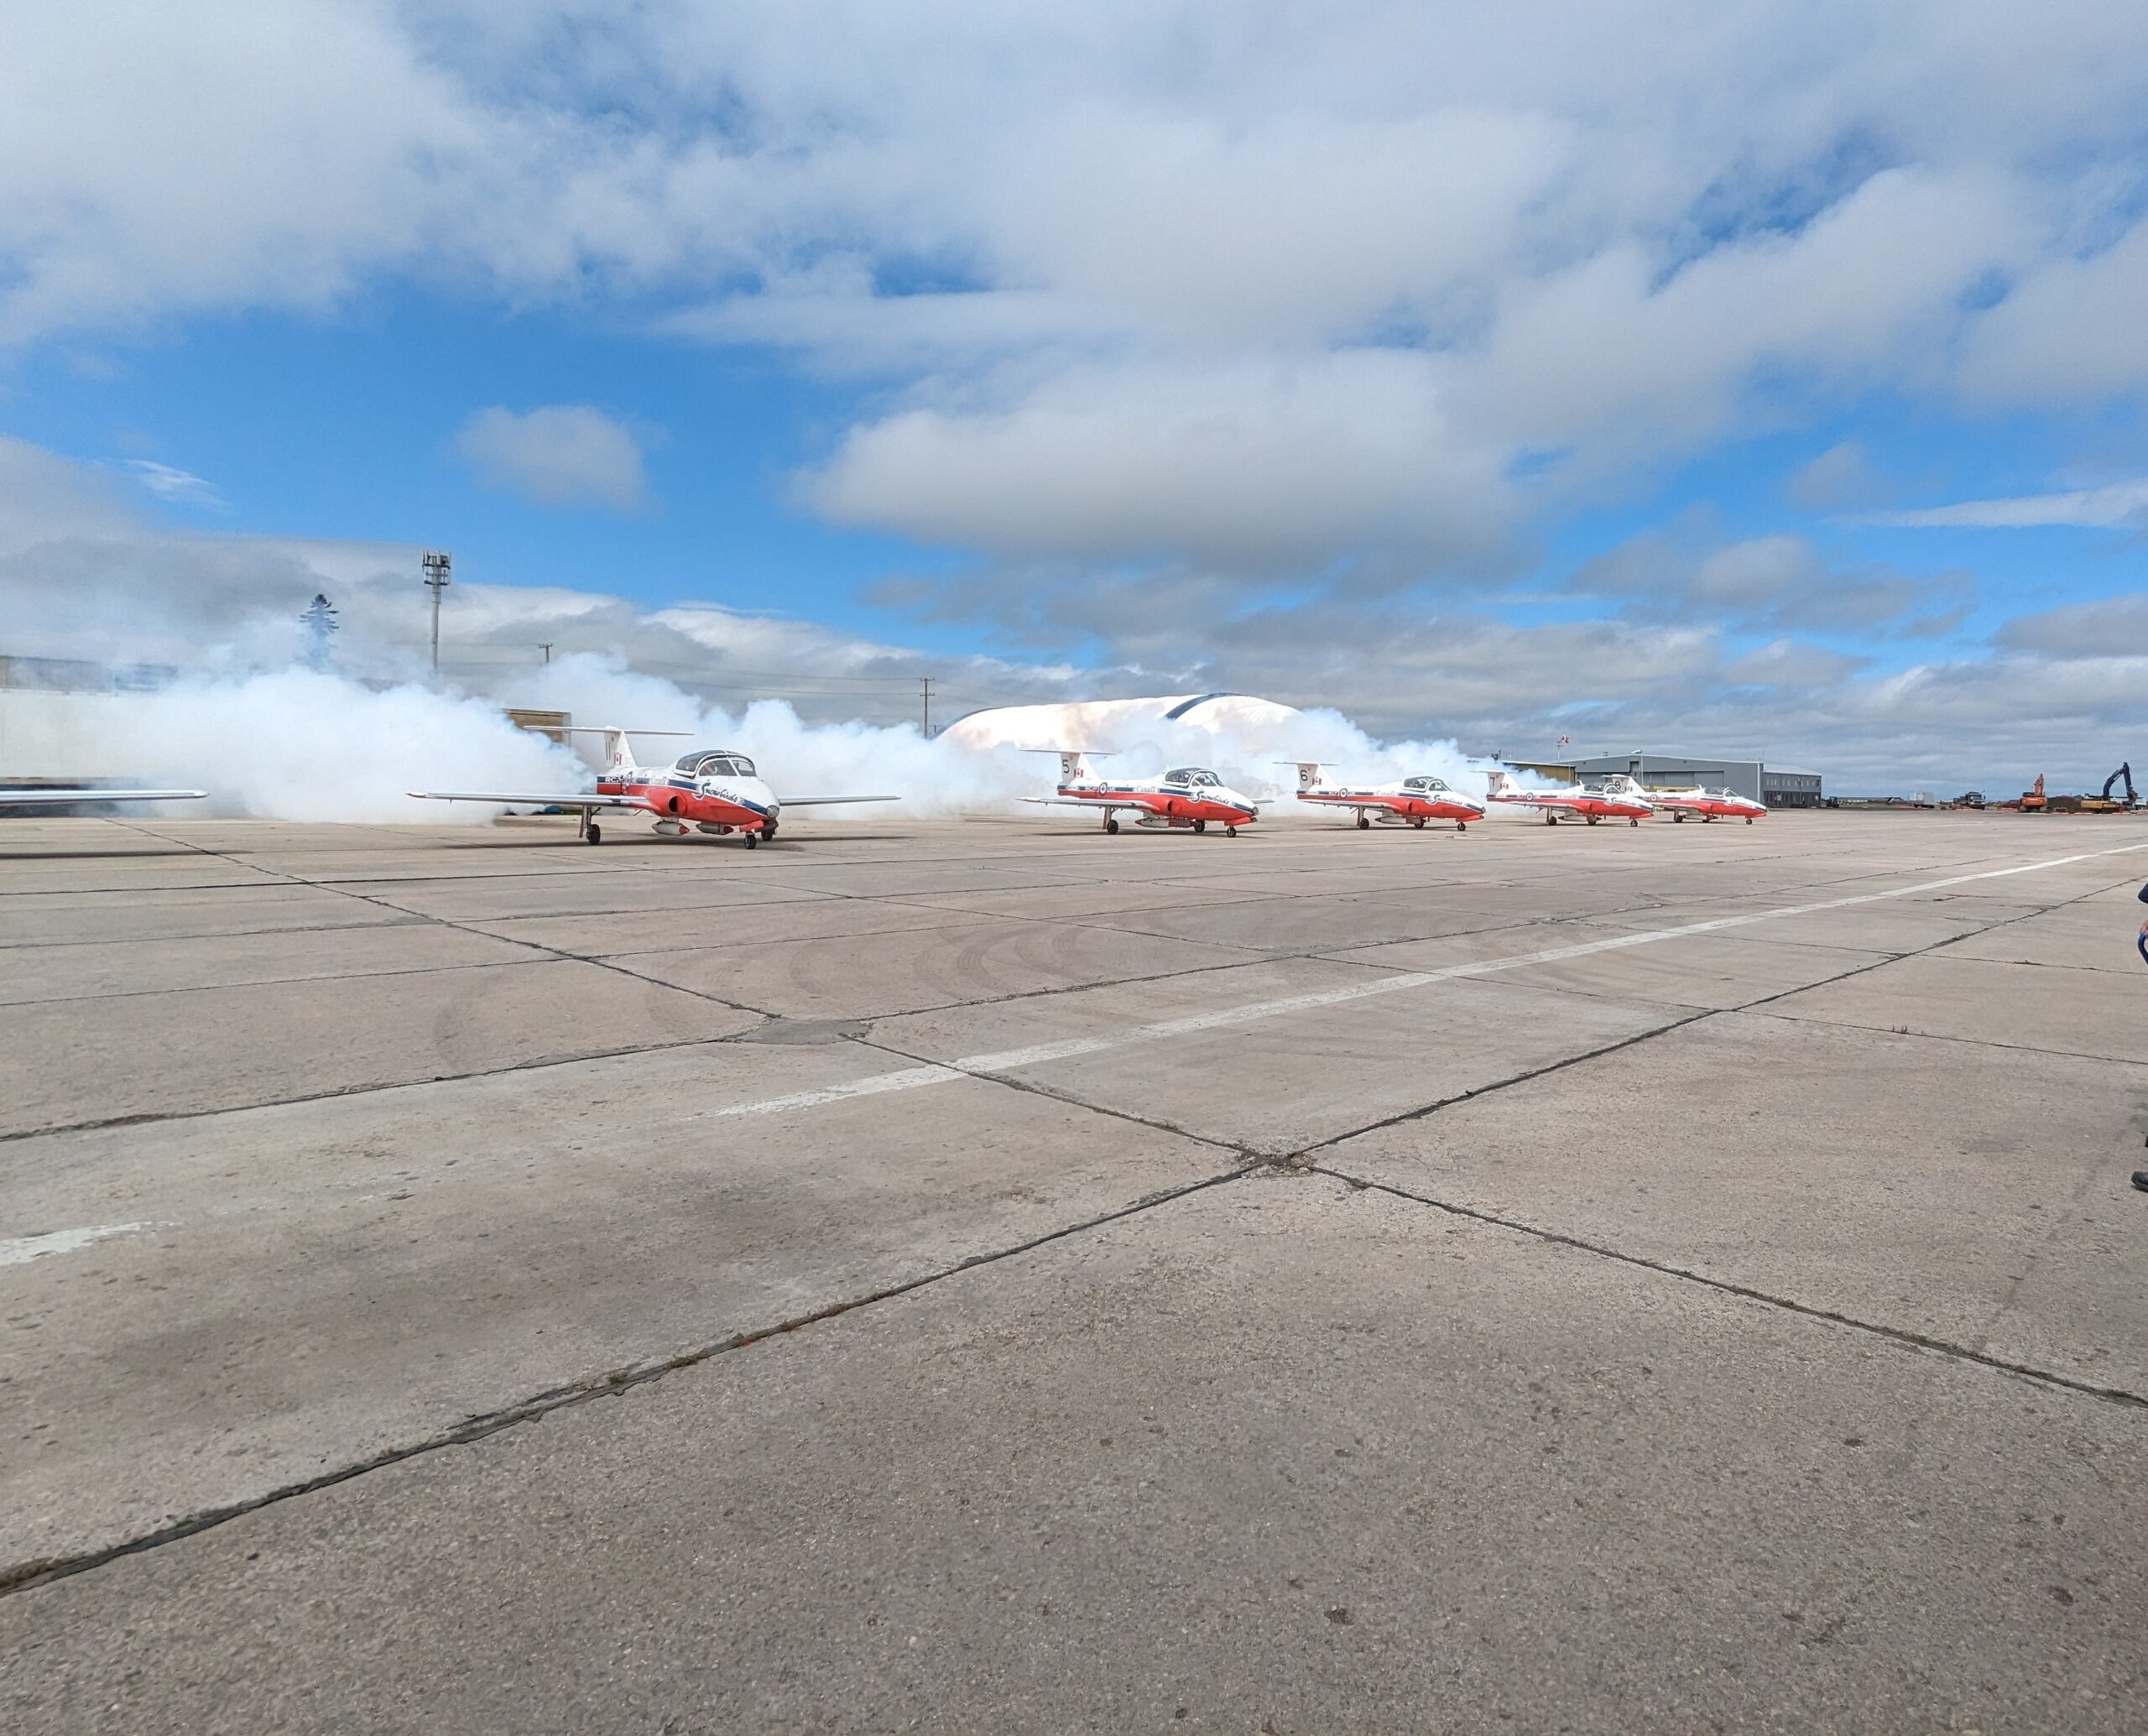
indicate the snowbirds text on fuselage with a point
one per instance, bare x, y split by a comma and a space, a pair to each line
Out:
713, 790
1708, 804
1410, 802
1617, 797
1187, 800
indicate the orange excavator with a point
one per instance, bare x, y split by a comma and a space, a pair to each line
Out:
2034, 800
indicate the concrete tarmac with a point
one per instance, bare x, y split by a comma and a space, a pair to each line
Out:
993, 1277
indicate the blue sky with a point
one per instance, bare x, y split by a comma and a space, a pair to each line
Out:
1764, 379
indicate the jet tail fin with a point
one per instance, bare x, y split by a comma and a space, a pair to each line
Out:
1309, 770
1074, 767
1499, 783
618, 753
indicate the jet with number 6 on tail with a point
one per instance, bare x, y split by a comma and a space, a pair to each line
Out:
710, 790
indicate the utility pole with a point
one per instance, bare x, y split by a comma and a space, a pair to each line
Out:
436, 564
927, 679
547, 649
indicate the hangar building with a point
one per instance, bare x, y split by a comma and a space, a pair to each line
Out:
1780, 786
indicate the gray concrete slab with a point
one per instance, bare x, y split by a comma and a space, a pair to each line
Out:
317, 1284
873, 975
1719, 971
1979, 1199
117, 967
1318, 923
722, 925
1276, 1456
74, 1062
2086, 1012
61, 918
503, 894
1302, 1075
234, 1306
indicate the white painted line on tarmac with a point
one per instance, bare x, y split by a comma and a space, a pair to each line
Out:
1008, 1061
29, 1248
909, 1079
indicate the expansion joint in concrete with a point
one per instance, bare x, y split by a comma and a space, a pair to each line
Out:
28, 1575
1746, 1292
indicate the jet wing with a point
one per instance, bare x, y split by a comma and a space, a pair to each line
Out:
527, 799
1077, 801
68, 798
828, 801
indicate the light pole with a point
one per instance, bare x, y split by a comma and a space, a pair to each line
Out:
436, 564
927, 679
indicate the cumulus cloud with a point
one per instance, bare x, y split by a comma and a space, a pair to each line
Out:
557, 455
1254, 465
1769, 584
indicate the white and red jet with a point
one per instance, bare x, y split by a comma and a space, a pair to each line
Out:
709, 790
1708, 804
1618, 797
1190, 799
1410, 802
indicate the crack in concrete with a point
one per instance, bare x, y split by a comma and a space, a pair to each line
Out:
1900, 1335
28, 1575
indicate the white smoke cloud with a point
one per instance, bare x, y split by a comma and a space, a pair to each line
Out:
291, 745
302, 745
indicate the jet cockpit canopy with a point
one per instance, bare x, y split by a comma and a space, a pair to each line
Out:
1192, 775
715, 763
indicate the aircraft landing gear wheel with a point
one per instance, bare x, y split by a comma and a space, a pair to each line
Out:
1461, 825
1550, 818
1363, 824
1678, 819
1111, 826
768, 832
1201, 825
1230, 832
1591, 818
595, 833
753, 841
1633, 822
1418, 823
1748, 819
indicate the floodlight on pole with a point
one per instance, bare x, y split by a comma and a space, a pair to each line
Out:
436, 564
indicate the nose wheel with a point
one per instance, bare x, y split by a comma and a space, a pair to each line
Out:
753, 841
1633, 822
1230, 832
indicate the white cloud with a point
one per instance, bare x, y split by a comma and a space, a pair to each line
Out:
2118, 504
558, 455
181, 487
1768, 584
1255, 465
